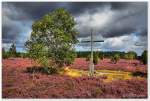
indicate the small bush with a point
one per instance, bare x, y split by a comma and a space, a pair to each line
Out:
88, 57
95, 59
5, 55
50, 70
144, 57
47, 70
101, 56
115, 58
130, 55
138, 73
34, 69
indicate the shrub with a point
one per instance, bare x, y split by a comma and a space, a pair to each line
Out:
12, 50
144, 57
138, 73
101, 55
50, 70
34, 69
115, 58
95, 59
5, 55
47, 70
130, 55
88, 57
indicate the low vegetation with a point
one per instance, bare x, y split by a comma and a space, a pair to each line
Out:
144, 57
20, 84
115, 58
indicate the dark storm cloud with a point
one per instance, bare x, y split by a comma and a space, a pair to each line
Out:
110, 19
37, 9
133, 21
11, 34
17, 15
122, 19
14, 23
122, 10
121, 5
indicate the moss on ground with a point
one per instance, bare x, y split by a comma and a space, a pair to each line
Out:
107, 75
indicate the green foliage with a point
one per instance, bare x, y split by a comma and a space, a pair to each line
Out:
70, 56
83, 54
130, 55
101, 55
88, 57
39, 53
52, 38
23, 55
12, 50
95, 58
144, 57
115, 58
126, 56
50, 70
47, 70
5, 54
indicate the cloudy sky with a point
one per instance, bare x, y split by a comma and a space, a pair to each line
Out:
119, 24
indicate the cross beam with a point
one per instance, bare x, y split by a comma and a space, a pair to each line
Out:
94, 41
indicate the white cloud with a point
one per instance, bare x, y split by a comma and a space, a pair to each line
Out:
6, 46
123, 43
95, 21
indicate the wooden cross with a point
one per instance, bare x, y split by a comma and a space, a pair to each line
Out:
91, 65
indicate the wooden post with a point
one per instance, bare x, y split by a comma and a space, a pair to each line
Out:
91, 67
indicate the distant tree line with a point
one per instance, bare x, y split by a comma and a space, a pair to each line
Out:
113, 55
106, 54
13, 53
97, 56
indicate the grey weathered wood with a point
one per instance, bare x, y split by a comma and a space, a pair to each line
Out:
91, 65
